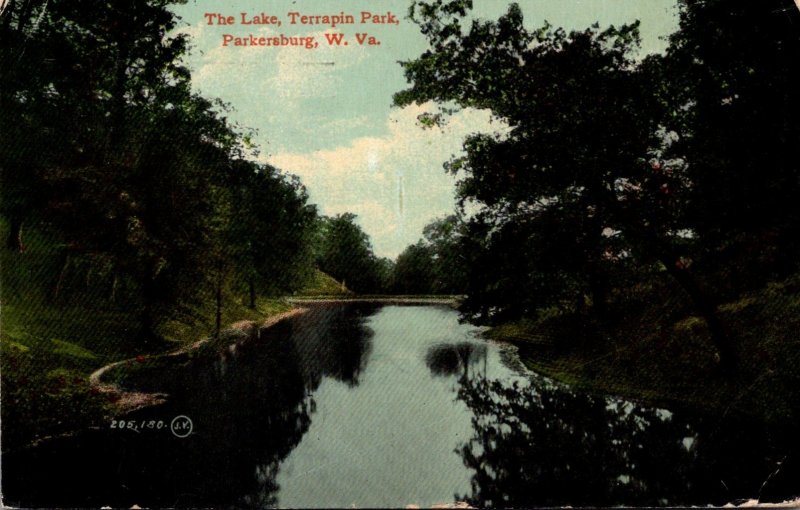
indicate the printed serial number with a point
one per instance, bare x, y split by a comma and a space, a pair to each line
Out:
181, 426
138, 425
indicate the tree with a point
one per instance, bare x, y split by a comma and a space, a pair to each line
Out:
68, 75
437, 263
121, 146
570, 102
414, 272
728, 77
270, 230
107, 148
384, 270
344, 252
575, 178
444, 237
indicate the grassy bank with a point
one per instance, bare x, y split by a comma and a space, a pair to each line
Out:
656, 350
51, 341
321, 284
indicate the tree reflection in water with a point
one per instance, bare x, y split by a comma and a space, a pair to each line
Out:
332, 340
327, 341
250, 406
454, 359
532, 443
540, 444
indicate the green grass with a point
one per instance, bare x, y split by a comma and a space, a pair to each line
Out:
662, 354
526, 331
322, 284
200, 321
49, 345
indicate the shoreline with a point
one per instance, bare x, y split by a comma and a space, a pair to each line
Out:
725, 397
452, 301
125, 402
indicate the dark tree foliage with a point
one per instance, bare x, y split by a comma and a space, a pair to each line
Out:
69, 73
730, 78
384, 271
534, 444
572, 102
343, 250
413, 271
523, 265
437, 264
107, 149
682, 163
270, 230
444, 239
99, 92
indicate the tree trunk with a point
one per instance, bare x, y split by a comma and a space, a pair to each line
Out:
114, 284
252, 289
218, 296
598, 286
653, 246
61, 275
14, 239
117, 117
707, 308
147, 318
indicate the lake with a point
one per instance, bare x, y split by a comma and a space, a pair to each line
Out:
387, 406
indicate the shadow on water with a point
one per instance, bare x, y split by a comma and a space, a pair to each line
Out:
250, 406
333, 341
543, 445
454, 359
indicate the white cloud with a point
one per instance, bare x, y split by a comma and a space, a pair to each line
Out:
286, 72
395, 183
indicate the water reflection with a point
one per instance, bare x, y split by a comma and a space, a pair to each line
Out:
250, 405
386, 407
542, 445
328, 341
332, 341
455, 359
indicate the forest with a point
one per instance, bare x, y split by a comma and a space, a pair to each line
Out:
635, 229
134, 214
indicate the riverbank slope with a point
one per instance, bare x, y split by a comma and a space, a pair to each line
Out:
654, 349
61, 322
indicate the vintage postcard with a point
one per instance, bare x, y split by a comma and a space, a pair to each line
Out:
399, 253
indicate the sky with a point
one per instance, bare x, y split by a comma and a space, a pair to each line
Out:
326, 115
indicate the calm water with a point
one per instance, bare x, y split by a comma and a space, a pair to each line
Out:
388, 406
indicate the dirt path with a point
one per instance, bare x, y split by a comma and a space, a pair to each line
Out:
127, 401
